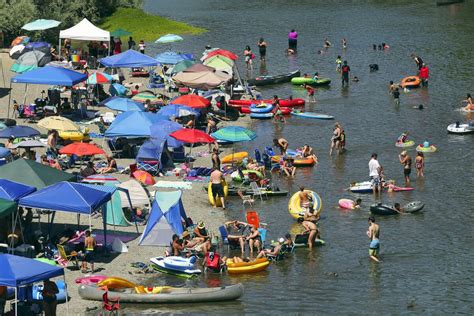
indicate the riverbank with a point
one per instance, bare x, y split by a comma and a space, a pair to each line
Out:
147, 27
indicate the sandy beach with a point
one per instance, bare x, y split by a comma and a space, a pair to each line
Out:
195, 202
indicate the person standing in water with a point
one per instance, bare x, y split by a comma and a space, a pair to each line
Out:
373, 233
338, 64
262, 49
374, 173
345, 73
420, 164
248, 57
344, 43
405, 160
292, 40
424, 75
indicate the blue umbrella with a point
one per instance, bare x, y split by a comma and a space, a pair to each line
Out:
116, 89
172, 58
163, 129
177, 110
18, 131
41, 24
234, 134
169, 38
122, 104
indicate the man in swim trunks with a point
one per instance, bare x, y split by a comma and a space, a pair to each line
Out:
345, 70
277, 114
235, 232
373, 233
282, 144
374, 173
217, 187
305, 203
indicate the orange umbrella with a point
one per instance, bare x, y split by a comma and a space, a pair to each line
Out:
144, 177
192, 100
81, 149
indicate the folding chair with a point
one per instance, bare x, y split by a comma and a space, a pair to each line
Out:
263, 236
224, 237
110, 305
246, 198
256, 190
63, 259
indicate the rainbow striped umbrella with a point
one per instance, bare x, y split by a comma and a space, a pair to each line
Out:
99, 78
143, 97
234, 134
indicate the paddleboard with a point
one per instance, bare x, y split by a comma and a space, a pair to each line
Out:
313, 115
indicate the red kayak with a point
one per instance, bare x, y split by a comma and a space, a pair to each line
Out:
283, 103
246, 110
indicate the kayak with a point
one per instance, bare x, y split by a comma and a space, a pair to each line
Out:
236, 176
423, 149
294, 206
247, 267
382, 209
212, 198
410, 82
457, 128
402, 189
246, 110
311, 81
116, 283
313, 115
235, 157
261, 108
182, 265
261, 116
91, 279
283, 102
37, 291
166, 295
346, 203
405, 144
361, 187
266, 80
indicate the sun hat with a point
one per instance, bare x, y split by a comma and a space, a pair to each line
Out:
281, 240
185, 234
201, 225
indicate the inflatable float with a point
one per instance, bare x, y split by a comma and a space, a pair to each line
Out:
346, 204
426, 149
312, 115
235, 157
283, 102
177, 264
261, 116
261, 108
294, 206
116, 283
361, 187
212, 198
166, 295
310, 81
73, 135
246, 110
408, 143
91, 279
457, 128
236, 176
381, 209
247, 267
410, 82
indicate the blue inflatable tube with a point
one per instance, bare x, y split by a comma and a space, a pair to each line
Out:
254, 108
261, 116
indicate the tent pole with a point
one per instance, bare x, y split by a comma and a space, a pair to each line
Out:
78, 220
90, 223
67, 301
16, 301
9, 100
104, 218
26, 92
51, 223
59, 48
3, 74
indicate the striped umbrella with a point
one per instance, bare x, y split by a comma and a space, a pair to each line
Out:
234, 134
99, 78
143, 97
100, 178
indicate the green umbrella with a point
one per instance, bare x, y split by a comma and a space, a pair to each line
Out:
234, 134
41, 24
182, 65
219, 62
120, 33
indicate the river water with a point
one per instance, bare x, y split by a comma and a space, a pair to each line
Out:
426, 258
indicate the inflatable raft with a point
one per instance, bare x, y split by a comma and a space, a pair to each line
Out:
312, 115
311, 81
457, 128
261, 108
297, 162
410, 82
430, 149
246, 110
361, 187
261, 116
212, 198
166, 295
283, 102
236, 176
381, 209
116, 283
91, 279
235, 157
247, 267
346, 204
73, 135
408, 143
177, 264
294, 206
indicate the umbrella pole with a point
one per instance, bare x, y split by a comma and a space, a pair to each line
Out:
26, 92
9, 100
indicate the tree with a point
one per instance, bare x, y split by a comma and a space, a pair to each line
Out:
15, 14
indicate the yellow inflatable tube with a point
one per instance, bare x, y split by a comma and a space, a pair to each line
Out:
294, 206
73, 135
235, 157
212, 199
247, 267
116, 283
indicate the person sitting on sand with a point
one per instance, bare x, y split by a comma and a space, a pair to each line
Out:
111, 166
176, 245
201, 233
89, 170
195, 243
235, 231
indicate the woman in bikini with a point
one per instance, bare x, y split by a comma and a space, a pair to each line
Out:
336, 138
420, 164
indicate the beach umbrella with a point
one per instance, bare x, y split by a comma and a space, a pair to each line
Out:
144, 96
120, 33
220, 63
192, 100
20, 40
177, 110
192, 136
58, 123
81, 149
100, 178
30, 143
169, 38
16, 51
182, 65
220, 52
28, 61
40, 24
144, 177
18, 131
122, 104
99, 78
205, 80
172, 58
234, 134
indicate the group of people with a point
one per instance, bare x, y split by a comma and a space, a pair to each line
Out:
338, 139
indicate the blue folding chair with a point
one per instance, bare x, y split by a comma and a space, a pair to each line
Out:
263, 235
224, 236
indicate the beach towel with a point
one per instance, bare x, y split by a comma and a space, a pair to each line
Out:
174, 184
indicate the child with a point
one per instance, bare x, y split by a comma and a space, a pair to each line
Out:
396, 96
141, 47
338, 63
316, 76
310, 92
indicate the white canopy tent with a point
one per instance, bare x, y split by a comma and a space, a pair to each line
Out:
84, 31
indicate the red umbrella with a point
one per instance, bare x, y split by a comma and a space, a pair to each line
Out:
192, 100
144, 177
81, 149
192, 136
221, 52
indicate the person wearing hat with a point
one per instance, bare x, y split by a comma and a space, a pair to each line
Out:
272, 252
373, 233
201, 232
196, 243
405, 160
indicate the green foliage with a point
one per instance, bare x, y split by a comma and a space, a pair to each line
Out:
145, 26
14, 14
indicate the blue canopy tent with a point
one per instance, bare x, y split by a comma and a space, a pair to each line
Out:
172, 58
166, 218
20, 271
132, 124
5, 155
122, 104
69, 197
117, 90
163, 129
178, 110
49, 76
156, 150
13, 191
128, 59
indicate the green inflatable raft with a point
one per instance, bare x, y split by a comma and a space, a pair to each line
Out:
310, 81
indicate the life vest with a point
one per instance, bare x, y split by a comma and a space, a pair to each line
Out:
213, 262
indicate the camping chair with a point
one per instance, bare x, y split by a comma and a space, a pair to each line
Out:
256, 190
110, 305
253, 219
246, 198
263, 235
63, 258
224, 237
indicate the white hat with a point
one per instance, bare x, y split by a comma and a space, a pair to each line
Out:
281, 240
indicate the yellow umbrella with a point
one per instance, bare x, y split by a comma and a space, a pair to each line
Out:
58, 123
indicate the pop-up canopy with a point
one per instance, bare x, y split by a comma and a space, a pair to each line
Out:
129, 59
85, 31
